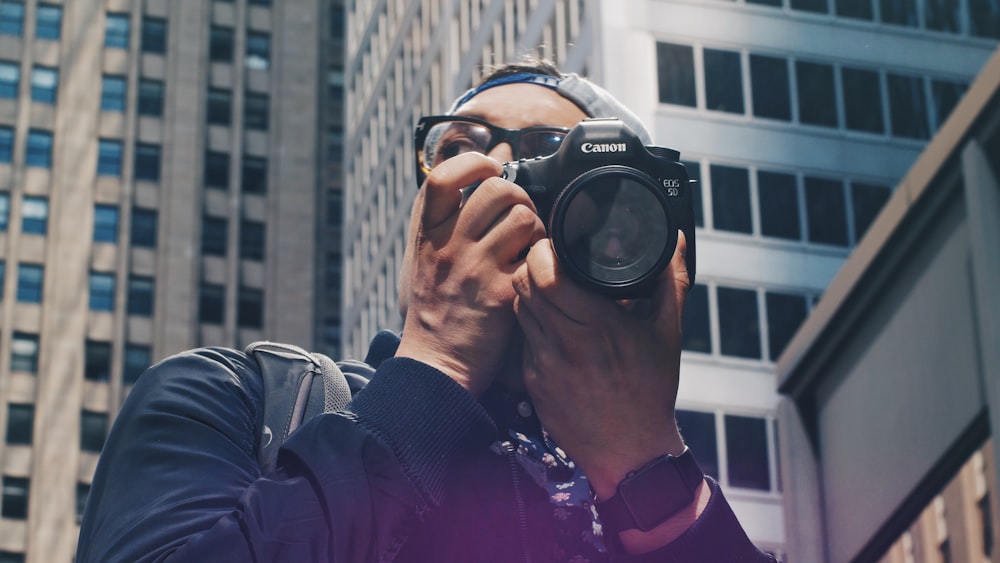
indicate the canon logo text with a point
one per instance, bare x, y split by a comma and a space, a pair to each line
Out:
603, 147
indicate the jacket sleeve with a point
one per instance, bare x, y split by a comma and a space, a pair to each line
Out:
715, 536
178, 479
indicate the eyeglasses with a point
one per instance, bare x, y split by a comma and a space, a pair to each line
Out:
440, 137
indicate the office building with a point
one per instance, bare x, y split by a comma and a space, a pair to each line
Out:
161, 188
891, 407
796, 117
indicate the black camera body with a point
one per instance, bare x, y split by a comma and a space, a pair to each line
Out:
611, 206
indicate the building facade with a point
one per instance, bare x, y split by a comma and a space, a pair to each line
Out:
891, 402
796, 117
159, 190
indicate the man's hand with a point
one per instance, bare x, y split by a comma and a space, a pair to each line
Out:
460, 260
602, 376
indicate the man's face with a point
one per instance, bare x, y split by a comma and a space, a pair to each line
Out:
511, 106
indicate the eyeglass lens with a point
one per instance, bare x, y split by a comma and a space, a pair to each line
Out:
451, 138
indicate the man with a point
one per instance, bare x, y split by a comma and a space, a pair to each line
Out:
514, 400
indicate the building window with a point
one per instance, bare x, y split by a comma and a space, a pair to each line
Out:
818, 6
867, 201
97, 360
11, 17
48, 22
10, 77
116, 32
44, 83
30, 283
779, 205
109, 158
3, 275
826, 211
943, 15
817, 97
150, 97
334, 207
986, 520
250, 309
24, 352
945, 96
675, 74
857, 9
20, 424
39, 149
11, 557
138, 357
220, 44
731, 199
746, 452
214, 236
697, 199
698, 430
140, 296
15, 498
785, 312
82, 492
144, 226
253, 178
220, 107
908, 107
216, 170
259, 2
113, 93
102, 291
258, 56
862, 100
93, 431
723, 81
253, 240
6, 144
211, 304
34, 215
697, 332
154, 35
899, 12
739, 327
4, 210
255, 111
147, 162
770, 87
106, 223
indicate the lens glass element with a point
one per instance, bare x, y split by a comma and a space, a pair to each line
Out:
615, 228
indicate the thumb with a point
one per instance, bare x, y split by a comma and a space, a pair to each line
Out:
444, 184
672, 289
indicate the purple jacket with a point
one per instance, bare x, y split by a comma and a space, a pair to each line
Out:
410, 471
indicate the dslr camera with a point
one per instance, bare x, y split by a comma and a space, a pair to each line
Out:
611, 206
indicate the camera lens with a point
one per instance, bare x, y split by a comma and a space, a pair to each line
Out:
611, 228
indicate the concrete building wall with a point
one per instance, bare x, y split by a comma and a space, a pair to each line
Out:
69, 363
892, 379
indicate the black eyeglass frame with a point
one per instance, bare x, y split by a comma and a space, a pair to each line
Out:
497, 135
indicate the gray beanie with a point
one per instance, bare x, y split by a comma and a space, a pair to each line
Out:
591, 98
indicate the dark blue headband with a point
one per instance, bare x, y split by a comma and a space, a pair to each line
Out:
520, 77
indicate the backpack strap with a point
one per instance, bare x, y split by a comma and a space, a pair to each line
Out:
297, 386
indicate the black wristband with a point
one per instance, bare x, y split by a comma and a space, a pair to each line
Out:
649, 496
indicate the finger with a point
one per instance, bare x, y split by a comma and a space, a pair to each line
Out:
513, 233
443, 186
491, 201
673, 285
553, 285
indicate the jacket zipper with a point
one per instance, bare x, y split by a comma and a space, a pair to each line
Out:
511, 454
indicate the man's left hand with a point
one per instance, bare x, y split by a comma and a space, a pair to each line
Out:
602, 376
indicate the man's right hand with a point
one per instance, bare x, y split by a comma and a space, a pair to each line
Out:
456, 278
